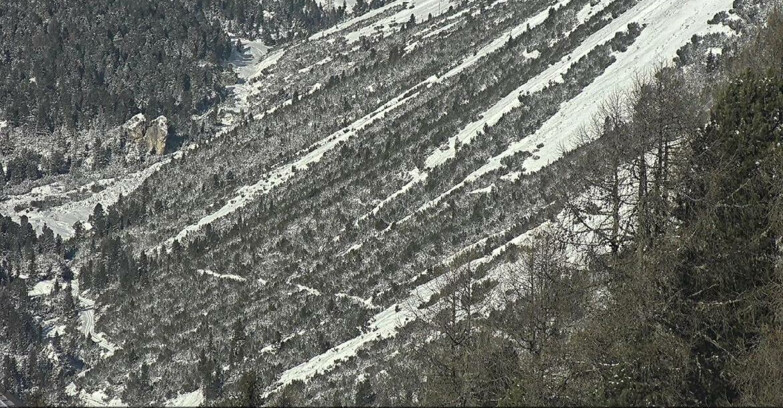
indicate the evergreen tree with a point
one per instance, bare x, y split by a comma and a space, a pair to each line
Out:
98, 219
69, 305
249, 395
727, 265
238, 342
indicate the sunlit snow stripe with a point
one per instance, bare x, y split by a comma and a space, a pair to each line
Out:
670, 25
283, 173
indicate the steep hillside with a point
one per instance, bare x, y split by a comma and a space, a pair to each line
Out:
311, 246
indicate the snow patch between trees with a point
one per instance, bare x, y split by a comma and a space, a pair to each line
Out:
221, 276
42, 288
188, 399
99, 399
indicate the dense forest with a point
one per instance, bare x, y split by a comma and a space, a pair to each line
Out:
70, 63
71, 72
62, 60
281, 21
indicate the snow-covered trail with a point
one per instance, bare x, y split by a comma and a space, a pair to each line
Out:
417, 176
227, 276
283, 173
87, 318
87, 327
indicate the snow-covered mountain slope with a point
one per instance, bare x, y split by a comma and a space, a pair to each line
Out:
351, 173
64, 213
668, 24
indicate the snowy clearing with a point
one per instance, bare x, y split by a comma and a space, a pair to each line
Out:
253, 59
417, 176
485, 190
359, 301
42, 288
62, 218
511, 176
100, 399
312, 291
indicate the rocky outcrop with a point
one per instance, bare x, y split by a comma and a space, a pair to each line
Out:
134, 128
150, 137
157, 135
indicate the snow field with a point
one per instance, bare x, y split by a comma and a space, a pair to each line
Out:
99, 399
42, 288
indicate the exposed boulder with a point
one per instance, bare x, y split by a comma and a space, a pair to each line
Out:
134, 128
157, 135
150, 136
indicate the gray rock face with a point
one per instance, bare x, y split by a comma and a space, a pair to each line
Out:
150, 137
134, 127
157, 135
